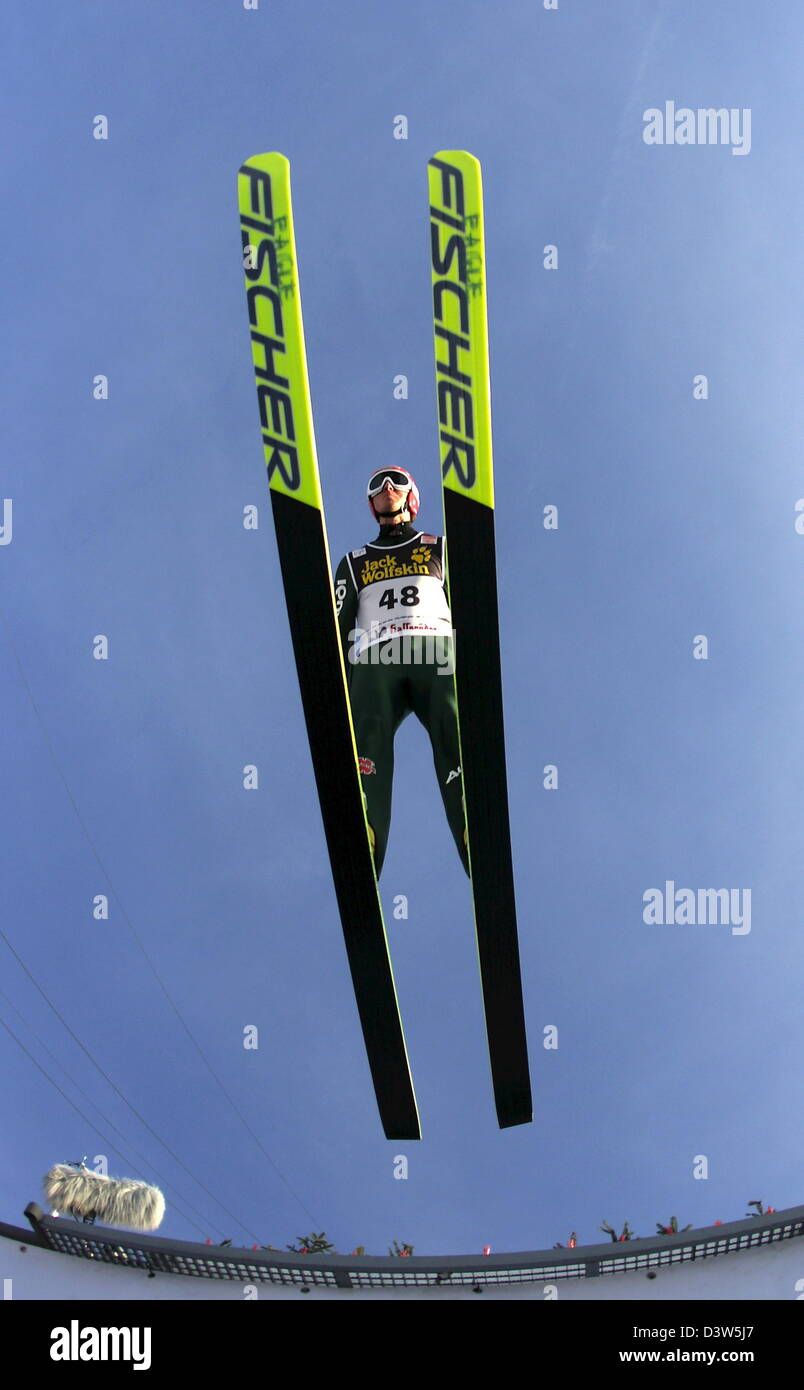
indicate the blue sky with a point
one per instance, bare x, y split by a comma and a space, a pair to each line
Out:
676, 519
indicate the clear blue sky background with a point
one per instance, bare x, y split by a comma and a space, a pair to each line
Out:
676, 519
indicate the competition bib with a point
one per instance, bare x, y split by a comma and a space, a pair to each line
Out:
400, 591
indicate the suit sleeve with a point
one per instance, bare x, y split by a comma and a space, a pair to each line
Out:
345, 607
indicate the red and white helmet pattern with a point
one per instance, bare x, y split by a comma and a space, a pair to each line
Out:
413, 500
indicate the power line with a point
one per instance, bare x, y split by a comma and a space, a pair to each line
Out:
139, 943
130, 1147
107, 1141
116, 1089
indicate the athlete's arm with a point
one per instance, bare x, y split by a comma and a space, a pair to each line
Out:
444, 568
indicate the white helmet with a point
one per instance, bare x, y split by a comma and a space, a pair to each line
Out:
398, 477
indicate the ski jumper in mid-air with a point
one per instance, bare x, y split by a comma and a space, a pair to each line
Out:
396, 632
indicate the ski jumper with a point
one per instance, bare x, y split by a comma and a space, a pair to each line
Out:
396, 633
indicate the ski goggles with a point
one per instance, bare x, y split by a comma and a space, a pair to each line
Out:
392, 476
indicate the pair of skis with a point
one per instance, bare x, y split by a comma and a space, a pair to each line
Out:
464, 411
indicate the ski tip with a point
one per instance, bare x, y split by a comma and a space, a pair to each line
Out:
271, 159
454, 157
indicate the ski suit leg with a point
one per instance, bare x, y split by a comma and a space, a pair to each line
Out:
379, 701
435, 705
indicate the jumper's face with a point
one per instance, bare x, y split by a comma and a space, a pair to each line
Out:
389, 499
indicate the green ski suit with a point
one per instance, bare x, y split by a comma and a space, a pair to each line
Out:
396, 633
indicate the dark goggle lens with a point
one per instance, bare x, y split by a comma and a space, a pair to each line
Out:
377, 483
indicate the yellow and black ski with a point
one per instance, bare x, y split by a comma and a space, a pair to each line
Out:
457, 252
280, 367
